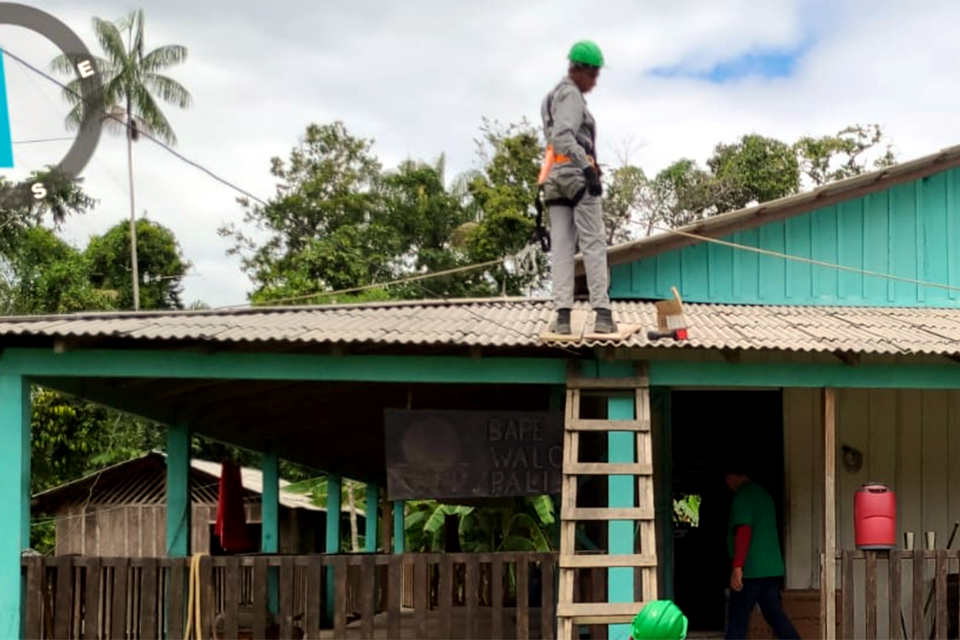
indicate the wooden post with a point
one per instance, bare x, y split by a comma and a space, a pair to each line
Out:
334, 513
178, 491
15, 485
270, 523
828, 585
370, 534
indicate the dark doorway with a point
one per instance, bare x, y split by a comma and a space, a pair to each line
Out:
706, 428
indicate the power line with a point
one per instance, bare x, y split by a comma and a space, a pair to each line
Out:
145, 134
378, 285
38, 140
810, 261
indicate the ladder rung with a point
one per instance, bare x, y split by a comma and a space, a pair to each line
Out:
608, 513
609, 425
606, 383
590, 561
608, 469
599, 612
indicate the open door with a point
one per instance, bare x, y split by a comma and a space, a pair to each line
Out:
706, 427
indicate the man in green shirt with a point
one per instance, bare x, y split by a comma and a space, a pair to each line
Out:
754, 547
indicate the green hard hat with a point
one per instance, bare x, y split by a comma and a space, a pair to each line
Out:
586, 52
659, 620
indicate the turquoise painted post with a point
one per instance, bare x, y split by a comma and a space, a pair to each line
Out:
373, 501
15, 484
270, 523
178, 491
334, 506
399, 526
179, 505
6, 135
620, 492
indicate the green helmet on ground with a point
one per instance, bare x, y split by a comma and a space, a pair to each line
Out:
586, 52
659, 620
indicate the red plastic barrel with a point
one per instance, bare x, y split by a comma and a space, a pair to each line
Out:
875, 517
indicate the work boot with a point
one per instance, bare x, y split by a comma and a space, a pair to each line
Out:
604, 322
563, 322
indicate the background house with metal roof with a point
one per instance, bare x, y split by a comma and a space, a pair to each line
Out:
120, 511
823, 335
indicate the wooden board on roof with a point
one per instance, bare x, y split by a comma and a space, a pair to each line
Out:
581, 329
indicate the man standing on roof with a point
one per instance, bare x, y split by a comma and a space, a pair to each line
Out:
754, 546
570, 180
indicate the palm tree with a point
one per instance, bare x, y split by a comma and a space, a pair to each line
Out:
132, 82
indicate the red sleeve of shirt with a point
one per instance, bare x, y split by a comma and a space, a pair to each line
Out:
741, 544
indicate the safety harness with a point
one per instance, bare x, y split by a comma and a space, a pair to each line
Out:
550, 158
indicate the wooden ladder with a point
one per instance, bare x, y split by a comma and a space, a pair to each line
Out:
570, 613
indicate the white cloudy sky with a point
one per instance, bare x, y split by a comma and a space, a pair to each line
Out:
418, 76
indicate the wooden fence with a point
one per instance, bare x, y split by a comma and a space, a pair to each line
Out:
899, 595
454, 595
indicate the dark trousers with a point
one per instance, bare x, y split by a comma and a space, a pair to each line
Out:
766, 593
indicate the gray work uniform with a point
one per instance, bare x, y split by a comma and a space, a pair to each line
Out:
571, 129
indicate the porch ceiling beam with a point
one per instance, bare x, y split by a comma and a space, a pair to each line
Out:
810, 375
268, 366
98, 393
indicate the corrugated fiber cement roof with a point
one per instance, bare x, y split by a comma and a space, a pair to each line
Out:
518, 323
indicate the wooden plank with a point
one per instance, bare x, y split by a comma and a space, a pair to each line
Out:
420, 593
940, 608
587, 561
609, 425
918, 594
894, 595
847, 620
607, 383
599, 612
207, 596
177, 599
394, 594
523, 597
547, 613
261, 572
63, 607
149, 591
471, 593
314, 597
580, 514
445, 596
91, 606
288, 603
340, 598
33, 625
609, 469
368, 582
871, 595
118, 617
496, 596
231, 608
828, 589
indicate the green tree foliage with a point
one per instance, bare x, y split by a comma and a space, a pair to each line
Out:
844, 155
44, 274
340, 221
752, 169
132, 80
162, 265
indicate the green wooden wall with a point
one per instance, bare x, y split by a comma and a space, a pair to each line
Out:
910, 231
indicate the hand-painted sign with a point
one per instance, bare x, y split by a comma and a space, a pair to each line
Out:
90, 90
473, 454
